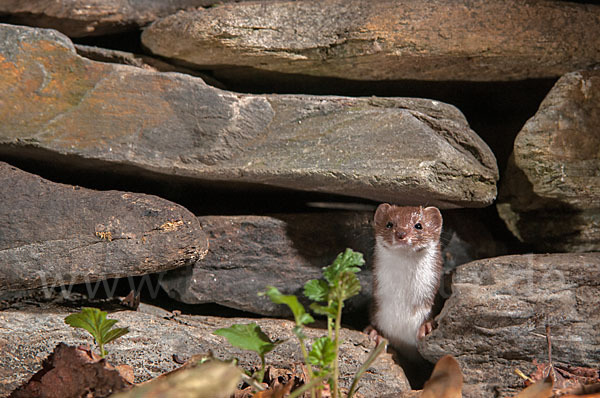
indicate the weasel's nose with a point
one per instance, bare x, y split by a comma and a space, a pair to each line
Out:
400, 234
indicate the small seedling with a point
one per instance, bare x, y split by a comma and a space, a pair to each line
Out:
339, 284
250, 337
94, 321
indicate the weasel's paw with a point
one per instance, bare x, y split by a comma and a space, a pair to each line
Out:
425, 329
373, 334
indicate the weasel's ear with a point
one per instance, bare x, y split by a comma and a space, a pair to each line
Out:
433, 217
382, 211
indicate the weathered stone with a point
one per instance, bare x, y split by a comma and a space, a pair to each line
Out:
495, 320
77, 18
248, 253
551, 193
141, 61
394, 149
387, 40
30, 334
53, 234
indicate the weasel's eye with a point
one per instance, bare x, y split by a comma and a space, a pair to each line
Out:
418, 226
389, 225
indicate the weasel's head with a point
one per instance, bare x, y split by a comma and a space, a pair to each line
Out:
413, 228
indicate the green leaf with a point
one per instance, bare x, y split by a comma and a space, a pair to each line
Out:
316, 289
83, 321
114, 334
300, 315
106, 325
322, 353
348, 261
324, 310
94, 321
349, 285
248, 337
305, 319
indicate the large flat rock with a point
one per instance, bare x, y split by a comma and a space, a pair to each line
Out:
54, 234
29, 334
78, 18
495, 320
249, 253
551, 194
443, 40
59, 105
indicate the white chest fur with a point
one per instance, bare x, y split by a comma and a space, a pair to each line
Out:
406, 279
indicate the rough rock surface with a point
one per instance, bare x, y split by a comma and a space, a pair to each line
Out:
29, 334
248, 253
139, 60
495, 320
387, 40
53, 234
551, 194
59, 105
77, 18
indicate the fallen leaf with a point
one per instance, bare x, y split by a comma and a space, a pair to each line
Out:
585, 391
215, 379
75, 372
278, 391
539, 389
446, 380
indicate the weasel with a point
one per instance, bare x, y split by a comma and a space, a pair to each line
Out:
407, 270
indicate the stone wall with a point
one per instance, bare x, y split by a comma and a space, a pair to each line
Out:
214, 148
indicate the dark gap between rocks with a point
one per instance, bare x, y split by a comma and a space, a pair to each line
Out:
209, 198
128, 41
200, 197
104, 295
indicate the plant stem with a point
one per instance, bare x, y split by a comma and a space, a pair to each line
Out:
308, 365
261, 373
329, 321
336, 370
310, 385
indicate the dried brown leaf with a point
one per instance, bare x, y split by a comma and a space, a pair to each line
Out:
74, 372
278, 391
539, 389
446, 380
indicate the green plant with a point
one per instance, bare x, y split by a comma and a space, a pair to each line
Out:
94, 321
339, 283
251, 338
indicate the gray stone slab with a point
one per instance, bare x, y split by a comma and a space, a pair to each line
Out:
495, 320
438, 40
54, 234
61, 106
